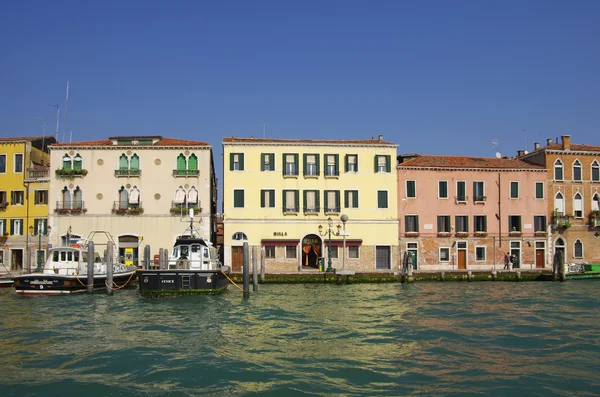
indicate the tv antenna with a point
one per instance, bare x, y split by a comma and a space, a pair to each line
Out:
495, 145
57, 120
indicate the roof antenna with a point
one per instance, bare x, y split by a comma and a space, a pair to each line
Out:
66, 108
57, 120
495, 145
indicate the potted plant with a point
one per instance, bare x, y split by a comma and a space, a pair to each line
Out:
4, 237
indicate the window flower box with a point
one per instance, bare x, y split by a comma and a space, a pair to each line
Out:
61, 172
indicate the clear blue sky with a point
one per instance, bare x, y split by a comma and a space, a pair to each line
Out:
436, 77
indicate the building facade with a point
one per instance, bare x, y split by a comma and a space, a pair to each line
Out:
460, 213
24, 183
138, 188
573, 183
287, 198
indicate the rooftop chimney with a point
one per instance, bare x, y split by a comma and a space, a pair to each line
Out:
520, 153
566, 142
380, 137
536, 146
548, 141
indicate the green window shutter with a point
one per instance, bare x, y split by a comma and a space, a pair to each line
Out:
283, 199
231, 155
318, 162
272, 198
337, 168
66, 163
416, 223
355, 193
304, 165
123, 162
272, 162
325, 201
304, 193
337, 200
356, 164
12, 227
193, 162
297, 197
262, 198
388, 163
382, 200
283, 170
297, 165
346, 192
77, 163
317, 200
238, 198
262, 161
485, 223
346, 167
376, 162
181, 162
135, 162
241, 161
439, 224
466, 218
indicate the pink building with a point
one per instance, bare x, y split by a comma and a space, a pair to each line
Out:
468, 212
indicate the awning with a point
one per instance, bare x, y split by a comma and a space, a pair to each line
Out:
280, 242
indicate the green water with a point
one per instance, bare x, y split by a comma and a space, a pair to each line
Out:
438, 339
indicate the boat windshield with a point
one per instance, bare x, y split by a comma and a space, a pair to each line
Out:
63, 256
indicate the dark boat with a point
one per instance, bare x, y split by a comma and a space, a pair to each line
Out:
192, 268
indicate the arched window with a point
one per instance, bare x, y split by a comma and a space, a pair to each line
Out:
577, 171
192, 196
596, 202
135, 162
578, 249
123, 199
123, 162
193, 162
77, 162
179, 198
239, 236
595, 171
181, 163
65, 198
578, 206
559, 203
558, 170
134, 197
77, 198
67, 165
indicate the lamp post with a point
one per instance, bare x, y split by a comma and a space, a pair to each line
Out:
40, 231
344, 219
328, 233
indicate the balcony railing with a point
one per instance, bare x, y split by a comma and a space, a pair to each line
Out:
37, 175
182, 209
291, 210
311, 210
123, 208
186, 173
332, 210
479, 199
127, 172
66, 173
461, 199
595, 219
73, 207
561, 221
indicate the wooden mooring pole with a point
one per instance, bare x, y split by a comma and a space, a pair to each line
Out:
90, 268
108, 260
147, 257
254, 269
246, 272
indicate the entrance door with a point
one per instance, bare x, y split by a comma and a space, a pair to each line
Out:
16, 259
237, 258
413, 249
540, 254
462, 255
515, 253
311, 247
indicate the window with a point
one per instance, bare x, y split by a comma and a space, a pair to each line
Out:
352, 163
461, 191
17, 197
578, 249
558, 170
311, 201
192, 196
290, 252
41, 197
595, 202
514, 190
332, 201
133, 202
239, 236
478, 191
411, 223
65, 198
2, 164
461, 223
123, 162
2, 227
16, 227
382, 199
578, 206
353, 252
193, 164
267, 162
480, 223
595, 171
238, 198
383, 258
267, 198
444, 254
351, 199
443, 222
333, 252
539, 223
577, 171
67, 164
539, 190
77, 162
559, 203
480, 254
135, 162
332, 161
311, 165
269, 251
181, 162
290, 162
382, 163
236, 161
443, 189
514, 223
18, 162
40, 225
290, 201
411, 189
3, 201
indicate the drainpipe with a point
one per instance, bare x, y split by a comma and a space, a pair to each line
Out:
499, 212
26, 228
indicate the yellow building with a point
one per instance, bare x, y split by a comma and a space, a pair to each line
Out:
24, 178
286, 196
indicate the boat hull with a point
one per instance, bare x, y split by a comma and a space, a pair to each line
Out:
57, 284
157, 283
6, 282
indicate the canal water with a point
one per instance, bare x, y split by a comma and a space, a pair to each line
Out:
438, 339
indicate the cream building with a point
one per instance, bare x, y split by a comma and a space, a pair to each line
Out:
279, 194
137, 188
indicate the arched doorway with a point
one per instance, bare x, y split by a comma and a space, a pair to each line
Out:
237, 250
560, 249
311, 251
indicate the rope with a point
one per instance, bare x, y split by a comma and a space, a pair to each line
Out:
232, 282
117, 287
85, 285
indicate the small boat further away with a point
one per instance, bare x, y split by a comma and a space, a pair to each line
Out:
583, 271
65, 272
6, 278
192, 268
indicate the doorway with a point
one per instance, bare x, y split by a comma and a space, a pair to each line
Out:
540, 254
237, 258
461, 248
16, 259
311, 249
515, 253
560, 249
413, 251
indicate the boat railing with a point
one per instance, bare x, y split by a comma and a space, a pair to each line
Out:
185, 264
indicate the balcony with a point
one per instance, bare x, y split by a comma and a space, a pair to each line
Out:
127, 172
183, 209
479, 199
595, 219
290, 210
37, 175
66, 173
561, 221
332, 210
461, 199
311, 210
185, 173
74, 208
121, 208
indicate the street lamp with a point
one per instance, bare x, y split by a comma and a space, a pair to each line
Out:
40, 232
344, 219
328, 233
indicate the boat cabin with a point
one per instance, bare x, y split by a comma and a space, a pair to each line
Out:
194, 254
67, 261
